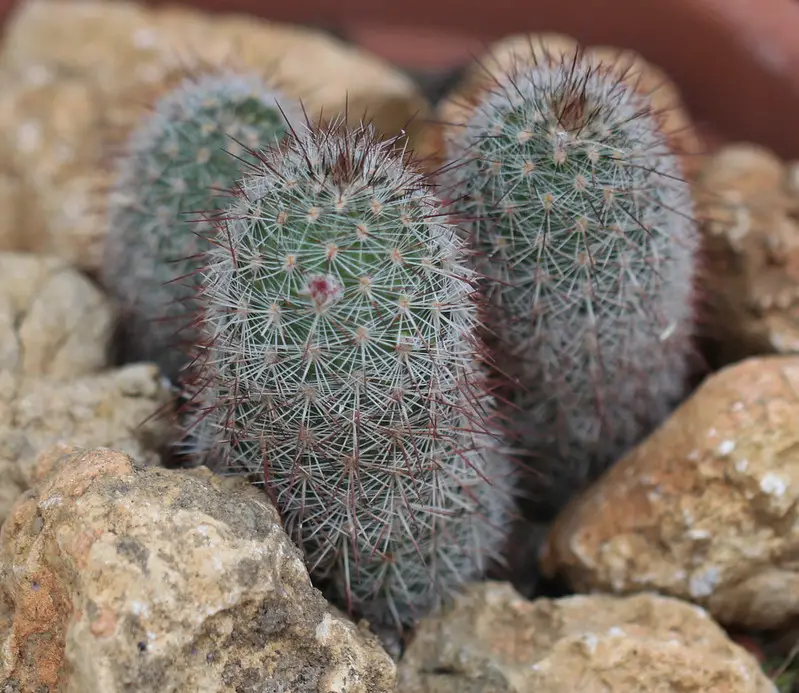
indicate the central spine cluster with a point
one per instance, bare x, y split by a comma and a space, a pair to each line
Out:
341, 370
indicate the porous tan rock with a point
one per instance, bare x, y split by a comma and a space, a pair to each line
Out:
705, 508
748, 200
127, 409
54, 322
77, 75
55, 329
494, 641
121, 578
482, 74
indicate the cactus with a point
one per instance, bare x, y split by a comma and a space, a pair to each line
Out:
167, 189
340, 370
583, 232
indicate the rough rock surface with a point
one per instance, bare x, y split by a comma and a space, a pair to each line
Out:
646, 78
54, 322
493, 641
706, 508
749, 202
121, 578
126, 409
55, 327
76, 75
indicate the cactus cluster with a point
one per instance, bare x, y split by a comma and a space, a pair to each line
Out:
166, 187
337, 358
582, 225
341, 371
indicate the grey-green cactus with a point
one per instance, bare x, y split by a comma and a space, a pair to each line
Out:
168, 186
341, 372
584, 234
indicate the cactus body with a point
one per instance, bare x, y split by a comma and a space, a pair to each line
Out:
583, 231
167, 186
341, 372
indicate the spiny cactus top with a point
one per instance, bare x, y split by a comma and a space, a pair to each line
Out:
583, 225
177, 164
342, 370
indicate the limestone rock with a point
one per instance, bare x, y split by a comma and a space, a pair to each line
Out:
630, 66
704, 509
126, 409
749, 203
76, 75
55, 329
53, 321
493, 641
121, 578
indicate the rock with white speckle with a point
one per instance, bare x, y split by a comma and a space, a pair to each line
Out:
706, 508
493, 641
115, 577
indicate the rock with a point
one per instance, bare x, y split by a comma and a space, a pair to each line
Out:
748, 200
493, 641
705, 509
124, 578
55, 332
76, 76
126, 409
53, 321
630, 67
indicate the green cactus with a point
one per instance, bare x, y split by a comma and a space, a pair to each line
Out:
583, 232
341, 371
167, 190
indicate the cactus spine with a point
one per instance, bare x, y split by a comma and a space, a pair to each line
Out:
167, 187
340, 371
583, 231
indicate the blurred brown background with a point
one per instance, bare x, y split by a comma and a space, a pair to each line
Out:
735, 61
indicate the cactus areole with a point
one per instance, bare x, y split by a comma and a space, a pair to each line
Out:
341, 370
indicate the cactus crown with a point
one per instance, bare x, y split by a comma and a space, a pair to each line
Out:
177, 162
573, 195
584, 232
341, 369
